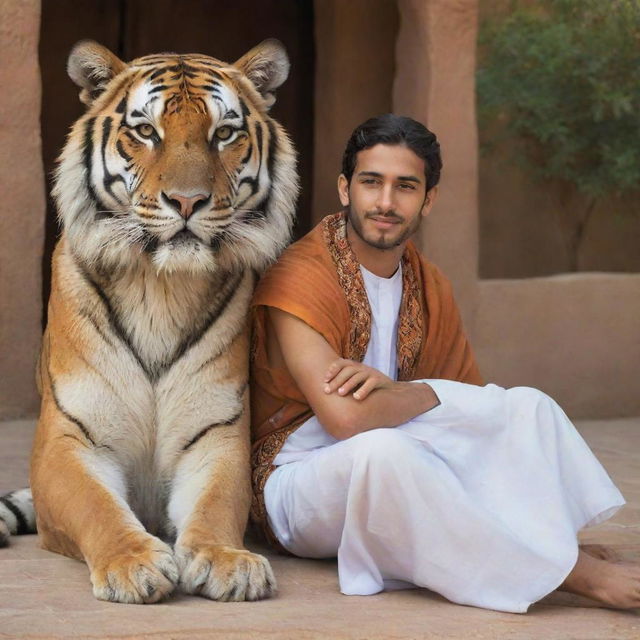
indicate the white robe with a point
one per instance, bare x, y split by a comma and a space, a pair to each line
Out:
479, 499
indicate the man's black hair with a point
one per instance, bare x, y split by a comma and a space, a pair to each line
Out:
392, 129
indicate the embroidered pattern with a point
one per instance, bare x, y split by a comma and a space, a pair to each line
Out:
351, 282
262, 467
410, 323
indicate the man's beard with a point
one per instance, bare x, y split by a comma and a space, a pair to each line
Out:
382, 243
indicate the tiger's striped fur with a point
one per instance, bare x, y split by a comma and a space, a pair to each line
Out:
173, 190
16, 515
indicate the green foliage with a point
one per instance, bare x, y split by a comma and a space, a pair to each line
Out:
564, 78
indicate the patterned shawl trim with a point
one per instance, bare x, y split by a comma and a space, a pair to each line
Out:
411, 322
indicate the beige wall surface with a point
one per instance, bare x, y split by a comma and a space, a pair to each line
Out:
575, 336
21, 207
435, 67
524, 224
354, 74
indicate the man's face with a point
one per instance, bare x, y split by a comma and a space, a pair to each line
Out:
386, 198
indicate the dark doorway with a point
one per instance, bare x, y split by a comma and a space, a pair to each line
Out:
131, 28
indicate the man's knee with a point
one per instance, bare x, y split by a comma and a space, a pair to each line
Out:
527, 401
383, 447
531, 396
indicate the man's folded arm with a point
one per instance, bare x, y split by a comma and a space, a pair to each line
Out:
307, 356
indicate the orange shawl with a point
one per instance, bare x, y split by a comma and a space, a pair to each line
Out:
318, 280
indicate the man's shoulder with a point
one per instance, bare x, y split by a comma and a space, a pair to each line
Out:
304, 283
429, 270
305, 263
311, 243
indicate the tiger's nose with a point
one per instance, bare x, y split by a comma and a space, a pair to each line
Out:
186, 205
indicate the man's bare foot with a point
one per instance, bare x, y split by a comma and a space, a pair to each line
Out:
600, 551
616, 585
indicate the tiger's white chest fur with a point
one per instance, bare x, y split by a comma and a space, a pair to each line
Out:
159, 373
159, 312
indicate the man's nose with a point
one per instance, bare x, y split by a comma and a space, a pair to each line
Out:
385, 198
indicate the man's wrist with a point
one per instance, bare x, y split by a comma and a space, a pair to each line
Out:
428, 396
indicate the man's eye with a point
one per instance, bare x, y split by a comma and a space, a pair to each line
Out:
223, 133
145, 130
407, 187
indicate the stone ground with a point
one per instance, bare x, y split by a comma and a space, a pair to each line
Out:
43, 595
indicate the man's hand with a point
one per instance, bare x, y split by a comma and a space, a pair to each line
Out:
308, 356
344, 376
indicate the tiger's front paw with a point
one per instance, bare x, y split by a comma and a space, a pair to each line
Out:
144, 573
223, 573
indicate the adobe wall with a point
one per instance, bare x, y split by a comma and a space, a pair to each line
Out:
575, 336
435, 66
524, 224
355, 43
21, 207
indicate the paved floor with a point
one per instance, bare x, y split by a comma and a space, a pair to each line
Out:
43, 595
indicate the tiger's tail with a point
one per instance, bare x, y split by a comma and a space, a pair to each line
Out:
17, 515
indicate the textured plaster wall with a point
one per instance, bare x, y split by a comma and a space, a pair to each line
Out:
523, 225
435, 63
354, 73
21, 207
575, 336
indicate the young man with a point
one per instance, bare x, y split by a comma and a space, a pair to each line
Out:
373, 441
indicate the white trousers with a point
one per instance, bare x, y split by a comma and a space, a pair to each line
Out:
479, 499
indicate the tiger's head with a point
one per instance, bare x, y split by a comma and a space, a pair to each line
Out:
176, 161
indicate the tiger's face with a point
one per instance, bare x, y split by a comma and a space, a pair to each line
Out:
177, 161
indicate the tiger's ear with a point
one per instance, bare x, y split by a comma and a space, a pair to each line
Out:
91, 66
267, 66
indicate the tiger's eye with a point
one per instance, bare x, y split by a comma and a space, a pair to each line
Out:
224, 133
145, 130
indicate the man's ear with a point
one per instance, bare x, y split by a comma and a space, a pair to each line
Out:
92, 66
267, 66
343, 190
430, 198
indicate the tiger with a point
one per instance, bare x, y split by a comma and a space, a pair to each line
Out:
174, 190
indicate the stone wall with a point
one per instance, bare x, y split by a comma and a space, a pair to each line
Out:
21, 207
